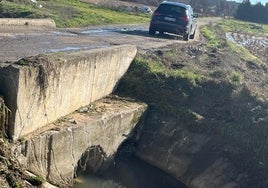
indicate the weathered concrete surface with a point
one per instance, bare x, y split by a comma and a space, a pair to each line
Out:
199, 159
38, 90
27, 22
54, 154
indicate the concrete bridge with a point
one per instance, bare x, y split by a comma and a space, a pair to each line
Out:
43, 93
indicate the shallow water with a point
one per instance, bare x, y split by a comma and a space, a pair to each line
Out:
129, 173
76, 48
93, 181
247, 40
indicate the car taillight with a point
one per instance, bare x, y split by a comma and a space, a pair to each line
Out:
156, 13
185, 18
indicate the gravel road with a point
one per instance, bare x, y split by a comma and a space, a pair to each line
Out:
22, 41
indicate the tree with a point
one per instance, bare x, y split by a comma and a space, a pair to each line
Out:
243, 10
253, 13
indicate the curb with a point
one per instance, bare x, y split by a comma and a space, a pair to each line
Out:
27, 22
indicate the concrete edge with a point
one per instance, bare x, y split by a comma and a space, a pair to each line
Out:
27, 22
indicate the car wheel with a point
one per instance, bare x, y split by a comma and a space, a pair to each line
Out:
185, 37
152, 31
161, 32
192, 35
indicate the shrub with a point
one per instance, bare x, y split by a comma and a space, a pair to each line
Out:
236, 79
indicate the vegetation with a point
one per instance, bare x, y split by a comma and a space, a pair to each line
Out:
69, 13
236, 79
148, 79
74, 13
231, 25
206, 7
212, 40
11, 173
4, 117
258, 12
244, 11
209, 87
206, 86
244, 53
215, 35
36, 181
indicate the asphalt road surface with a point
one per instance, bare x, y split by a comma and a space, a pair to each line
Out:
17, 42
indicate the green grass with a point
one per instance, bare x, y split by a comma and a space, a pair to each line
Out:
236, 79
243, 53
229, 107
36, 181
216, 38
155, 67
148, 79
212, 40
15, 10
72, 13
195, 87
187, 74
231, 25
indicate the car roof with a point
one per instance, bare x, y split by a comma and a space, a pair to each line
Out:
175, 3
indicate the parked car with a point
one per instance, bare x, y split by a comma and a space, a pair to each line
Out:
173, 17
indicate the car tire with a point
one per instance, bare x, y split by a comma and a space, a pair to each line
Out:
192, 35
161, 33
152, 31
185, 37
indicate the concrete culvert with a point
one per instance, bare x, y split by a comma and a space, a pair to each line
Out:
91, 160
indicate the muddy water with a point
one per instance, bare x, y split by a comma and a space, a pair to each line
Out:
247, 40
129, 172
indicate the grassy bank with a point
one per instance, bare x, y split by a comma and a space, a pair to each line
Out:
217, 86
69, 13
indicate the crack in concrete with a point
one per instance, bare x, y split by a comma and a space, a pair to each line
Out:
29, 110
35, 153
52, 156
49, 156
72, 149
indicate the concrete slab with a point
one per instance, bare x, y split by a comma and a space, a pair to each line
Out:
27, 22
38, 90
56, 151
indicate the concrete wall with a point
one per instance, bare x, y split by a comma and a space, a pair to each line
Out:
54, 153
197, 158
27, 22
41, 89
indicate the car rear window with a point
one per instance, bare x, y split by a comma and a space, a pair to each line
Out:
171, 9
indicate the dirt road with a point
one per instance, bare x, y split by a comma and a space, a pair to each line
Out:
17, 42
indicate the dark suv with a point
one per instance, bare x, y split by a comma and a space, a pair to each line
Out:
173, 17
